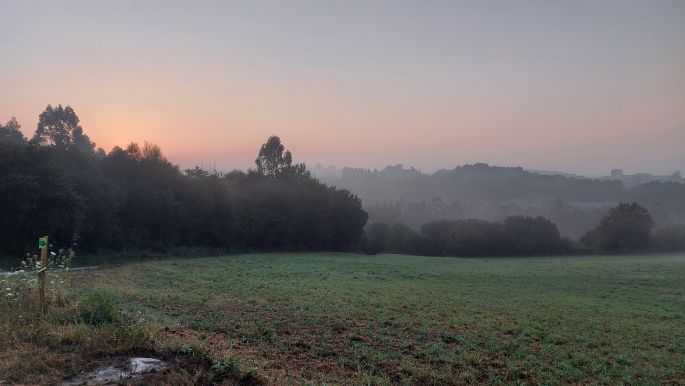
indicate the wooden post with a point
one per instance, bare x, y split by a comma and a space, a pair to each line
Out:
43, 243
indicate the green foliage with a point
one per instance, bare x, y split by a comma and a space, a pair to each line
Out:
21, 287
517, 236
532, 236
197, 352
79, 326
466, 238
669, 239
37, 197
228, 367
135, 199
231, 368
11, 132
101, 307
627, 228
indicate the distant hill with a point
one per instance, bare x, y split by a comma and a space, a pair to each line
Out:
471, 182
479, 190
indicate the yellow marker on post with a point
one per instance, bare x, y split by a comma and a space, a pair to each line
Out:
43, 246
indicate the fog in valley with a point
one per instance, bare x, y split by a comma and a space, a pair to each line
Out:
575, 203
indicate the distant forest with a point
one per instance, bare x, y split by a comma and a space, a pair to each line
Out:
58, 183
480, 191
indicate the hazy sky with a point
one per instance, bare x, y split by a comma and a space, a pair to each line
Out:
582, 86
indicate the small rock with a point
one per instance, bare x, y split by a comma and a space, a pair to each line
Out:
146, 365
113, 373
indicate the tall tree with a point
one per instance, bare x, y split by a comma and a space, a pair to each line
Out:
273, 158
11, 132
59, 127
627, 228
134, 198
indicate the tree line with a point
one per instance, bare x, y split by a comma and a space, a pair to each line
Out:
574, 204
59, 184
627, 228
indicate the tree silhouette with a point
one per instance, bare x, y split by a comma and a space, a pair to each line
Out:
627, 228
60, 127
273, 158
11, 133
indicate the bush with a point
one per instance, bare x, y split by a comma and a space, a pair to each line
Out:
395, 238
627, 228
518, 235
669, 239
466, 238
532, 235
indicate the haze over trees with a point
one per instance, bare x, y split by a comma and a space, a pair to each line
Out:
516, 236
627, 228
574, 204
133, 198
10, 132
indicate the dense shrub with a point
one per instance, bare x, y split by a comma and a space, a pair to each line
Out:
394, 238
627, 228
517, 235
532, 235
469, 237
669, 239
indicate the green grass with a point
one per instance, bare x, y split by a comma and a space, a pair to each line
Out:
389, 319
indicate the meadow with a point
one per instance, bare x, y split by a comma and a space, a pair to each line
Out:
330, 318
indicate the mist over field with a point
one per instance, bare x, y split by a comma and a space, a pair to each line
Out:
295, 192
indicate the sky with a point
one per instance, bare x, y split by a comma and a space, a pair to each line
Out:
577, 86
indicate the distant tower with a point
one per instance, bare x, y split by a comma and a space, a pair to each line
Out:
616, 174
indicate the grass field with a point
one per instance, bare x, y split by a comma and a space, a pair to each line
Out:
389, 319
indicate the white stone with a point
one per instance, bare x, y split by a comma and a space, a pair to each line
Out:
112, 374
146, 365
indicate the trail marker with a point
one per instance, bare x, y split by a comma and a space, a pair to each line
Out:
43, 245
43, 242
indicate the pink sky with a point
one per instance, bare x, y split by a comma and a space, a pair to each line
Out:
574, 86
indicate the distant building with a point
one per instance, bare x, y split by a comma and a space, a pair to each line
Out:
643, 178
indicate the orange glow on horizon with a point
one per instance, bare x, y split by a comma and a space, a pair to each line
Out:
354, 84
